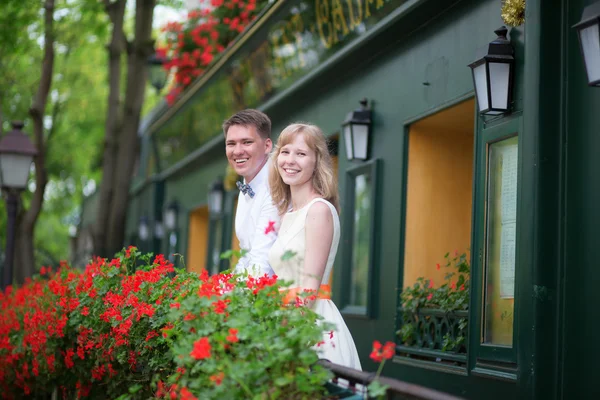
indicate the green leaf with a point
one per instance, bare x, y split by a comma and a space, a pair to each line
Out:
288, 255
227, 255
283, 380
376, 389
135, 388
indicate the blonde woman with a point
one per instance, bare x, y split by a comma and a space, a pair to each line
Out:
304, 188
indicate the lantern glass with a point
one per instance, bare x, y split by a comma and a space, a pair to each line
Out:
480, 80
215, 201
499, 85
348, 141
170, 219
143, 231
159, 231
158, 76
590, 46
15, 170
360, 138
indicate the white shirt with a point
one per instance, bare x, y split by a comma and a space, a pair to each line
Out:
252, 220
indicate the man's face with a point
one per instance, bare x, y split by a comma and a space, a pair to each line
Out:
246, 151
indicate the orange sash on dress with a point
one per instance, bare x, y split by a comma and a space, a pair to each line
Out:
324, 293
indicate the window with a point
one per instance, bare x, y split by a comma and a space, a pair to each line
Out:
433, 310
497, 225
359, 225
197, 239
500, 242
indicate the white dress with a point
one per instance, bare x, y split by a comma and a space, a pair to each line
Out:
338, 347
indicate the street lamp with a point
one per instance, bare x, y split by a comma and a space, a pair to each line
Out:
589, 39
215, 198
357, 129
16, 155
170, 215
158, 73
493, 75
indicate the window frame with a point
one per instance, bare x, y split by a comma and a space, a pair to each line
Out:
492, 360
371, 167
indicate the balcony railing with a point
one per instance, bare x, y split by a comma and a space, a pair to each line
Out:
356, 381
433, 335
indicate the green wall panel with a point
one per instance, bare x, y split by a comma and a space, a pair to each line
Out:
191, 191
580, 297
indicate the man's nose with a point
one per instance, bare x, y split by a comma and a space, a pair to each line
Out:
237, 149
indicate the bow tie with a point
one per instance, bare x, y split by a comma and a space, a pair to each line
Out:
246, 189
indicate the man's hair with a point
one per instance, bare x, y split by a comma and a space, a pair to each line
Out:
250, 117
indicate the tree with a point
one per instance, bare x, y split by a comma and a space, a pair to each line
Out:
122, 119
63, 117
192, 47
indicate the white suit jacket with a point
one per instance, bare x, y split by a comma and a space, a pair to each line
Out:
252, 220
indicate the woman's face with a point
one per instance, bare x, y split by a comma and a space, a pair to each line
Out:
296, 162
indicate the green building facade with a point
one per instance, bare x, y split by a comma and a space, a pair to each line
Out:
517, 193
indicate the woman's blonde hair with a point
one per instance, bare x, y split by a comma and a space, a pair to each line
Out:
323, 181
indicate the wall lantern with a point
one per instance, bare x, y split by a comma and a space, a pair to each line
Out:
588, 30
143, 228
157, 73
357, 129
215, 198
159, 230
16, 155
493, 76
170, 215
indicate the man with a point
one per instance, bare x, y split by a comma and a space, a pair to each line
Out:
247, 145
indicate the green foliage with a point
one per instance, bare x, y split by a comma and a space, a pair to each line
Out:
129, 328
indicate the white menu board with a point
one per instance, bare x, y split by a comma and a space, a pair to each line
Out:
508, 202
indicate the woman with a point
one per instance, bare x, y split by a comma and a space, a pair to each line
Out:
304, 188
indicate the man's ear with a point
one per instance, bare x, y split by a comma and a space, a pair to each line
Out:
268, 145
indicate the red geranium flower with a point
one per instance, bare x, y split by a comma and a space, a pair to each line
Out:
201, 349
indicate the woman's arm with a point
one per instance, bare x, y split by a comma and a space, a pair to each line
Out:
319, 236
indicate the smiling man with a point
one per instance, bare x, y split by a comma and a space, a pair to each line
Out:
247, 145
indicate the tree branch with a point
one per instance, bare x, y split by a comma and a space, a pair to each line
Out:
37, 114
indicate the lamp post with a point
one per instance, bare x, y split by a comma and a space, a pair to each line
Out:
158, 73
16, 155
588, 30
357, 129
493, 75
